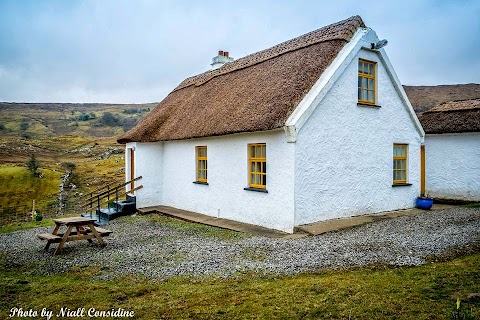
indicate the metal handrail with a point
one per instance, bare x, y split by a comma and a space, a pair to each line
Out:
107, 193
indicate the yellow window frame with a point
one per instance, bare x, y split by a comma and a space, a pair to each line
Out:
367, 86
400, 157
257, 165
201, 163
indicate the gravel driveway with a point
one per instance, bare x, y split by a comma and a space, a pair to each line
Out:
160, 247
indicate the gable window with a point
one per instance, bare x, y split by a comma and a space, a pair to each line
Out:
366, 81
201, 164
400, 153
257, 159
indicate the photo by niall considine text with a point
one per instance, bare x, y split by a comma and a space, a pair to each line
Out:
45, 313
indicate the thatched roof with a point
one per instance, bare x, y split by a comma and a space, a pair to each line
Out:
254, 93
423, 98
452, 116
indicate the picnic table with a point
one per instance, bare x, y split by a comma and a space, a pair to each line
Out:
84, 230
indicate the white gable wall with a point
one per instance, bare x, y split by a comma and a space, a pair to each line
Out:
343, 155
224, 196
453, 165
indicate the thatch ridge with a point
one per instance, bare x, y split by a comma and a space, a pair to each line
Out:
452, 117
423, 98
327, 33
255, 93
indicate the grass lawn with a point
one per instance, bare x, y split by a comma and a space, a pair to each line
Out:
425, 292
19, 187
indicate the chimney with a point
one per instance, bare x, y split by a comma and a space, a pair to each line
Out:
221, 59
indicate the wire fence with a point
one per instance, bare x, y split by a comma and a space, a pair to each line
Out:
47, 208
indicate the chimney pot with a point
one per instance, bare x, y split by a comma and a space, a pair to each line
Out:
225, 53
220, 53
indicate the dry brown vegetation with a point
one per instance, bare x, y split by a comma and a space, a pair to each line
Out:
424, 98
58, 133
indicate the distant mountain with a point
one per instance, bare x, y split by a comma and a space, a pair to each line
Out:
35, 120
424, 98
73, 106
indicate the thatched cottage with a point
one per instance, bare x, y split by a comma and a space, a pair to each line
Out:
452, 144
315, 128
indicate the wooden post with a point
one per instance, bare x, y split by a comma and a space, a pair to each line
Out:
132, 168
422, 169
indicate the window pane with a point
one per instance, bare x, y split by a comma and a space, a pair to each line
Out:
259, 167
264, 151
360, 66
252, 167
252, 179
359, 81
364, 82
205, 164
370, 84
370, 96
257, 179
265, 180
264, 167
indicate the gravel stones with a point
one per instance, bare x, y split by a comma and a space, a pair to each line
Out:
159, 251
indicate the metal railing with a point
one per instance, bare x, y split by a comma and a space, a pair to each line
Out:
104, 195
50, 208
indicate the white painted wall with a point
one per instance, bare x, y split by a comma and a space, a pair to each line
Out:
148, 164
343, 154
224, 196
453, 165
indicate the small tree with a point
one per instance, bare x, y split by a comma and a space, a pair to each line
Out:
33, 165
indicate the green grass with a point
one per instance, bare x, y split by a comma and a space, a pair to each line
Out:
200, 229
19, 187
473, 205
425, 292
15, 226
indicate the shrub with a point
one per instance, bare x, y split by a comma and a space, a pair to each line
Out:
69, 166
109, 119
33, 165
24, 125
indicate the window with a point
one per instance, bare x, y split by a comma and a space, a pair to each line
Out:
400, 152
201, 164
257, 165
366, 81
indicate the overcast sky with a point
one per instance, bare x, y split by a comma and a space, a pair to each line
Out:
138, 51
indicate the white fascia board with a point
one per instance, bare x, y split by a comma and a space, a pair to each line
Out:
401, 92
306, 107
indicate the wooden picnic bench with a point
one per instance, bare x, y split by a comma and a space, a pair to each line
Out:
84, 230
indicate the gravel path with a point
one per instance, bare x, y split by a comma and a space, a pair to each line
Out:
163, 248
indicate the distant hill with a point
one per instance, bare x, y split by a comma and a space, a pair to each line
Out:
30, 120
424, 98
73, 106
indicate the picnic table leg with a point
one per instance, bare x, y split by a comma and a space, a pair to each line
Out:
49, 242
64, 238
81, 230
55, 231
47, 245
96, 234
